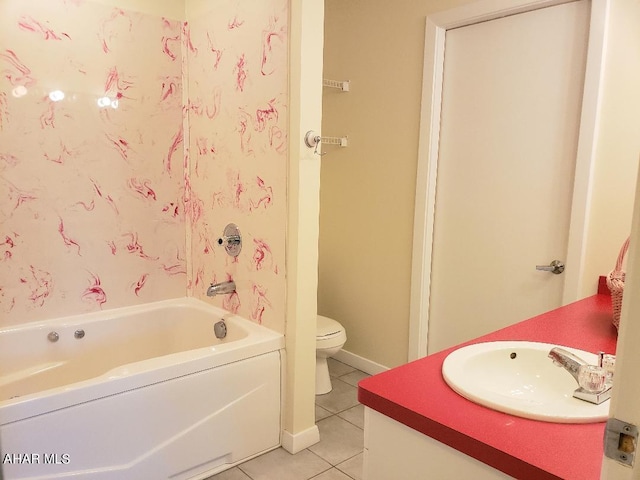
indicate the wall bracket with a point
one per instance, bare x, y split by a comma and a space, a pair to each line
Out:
313, 140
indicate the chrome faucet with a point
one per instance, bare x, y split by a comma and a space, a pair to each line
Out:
221, 288
567, 360
592, 379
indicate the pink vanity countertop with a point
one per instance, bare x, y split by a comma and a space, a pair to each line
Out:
416, 395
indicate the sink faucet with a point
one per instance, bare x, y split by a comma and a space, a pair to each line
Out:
591, 379
567, 360
221, 288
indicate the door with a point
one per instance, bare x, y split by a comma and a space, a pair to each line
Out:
509, 127
624, 397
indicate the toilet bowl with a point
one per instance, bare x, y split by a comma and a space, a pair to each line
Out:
330, 337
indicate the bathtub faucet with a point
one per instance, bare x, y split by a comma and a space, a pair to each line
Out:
221, 288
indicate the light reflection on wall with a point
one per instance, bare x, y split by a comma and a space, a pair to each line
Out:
107, 102
56, 95
59, 95
19, 91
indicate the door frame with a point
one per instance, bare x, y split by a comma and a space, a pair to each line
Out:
624, 403
426, 178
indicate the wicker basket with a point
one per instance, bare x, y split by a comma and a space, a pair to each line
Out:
615, 282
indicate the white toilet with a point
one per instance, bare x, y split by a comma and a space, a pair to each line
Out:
330, 337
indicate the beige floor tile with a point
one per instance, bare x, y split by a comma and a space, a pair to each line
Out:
354, 415
231, 474
322, 413
354, 377
333, 474
353, 467
339, 440
337, 369
342, 397
281, 465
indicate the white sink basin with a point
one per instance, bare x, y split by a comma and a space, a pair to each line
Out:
518, 378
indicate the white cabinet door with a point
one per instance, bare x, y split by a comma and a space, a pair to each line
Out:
394, 451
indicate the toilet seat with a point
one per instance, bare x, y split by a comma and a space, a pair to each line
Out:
329, 333
327, 326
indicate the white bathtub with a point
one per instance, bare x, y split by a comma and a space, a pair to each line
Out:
148, 393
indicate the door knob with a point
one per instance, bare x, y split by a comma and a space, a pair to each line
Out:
556, 267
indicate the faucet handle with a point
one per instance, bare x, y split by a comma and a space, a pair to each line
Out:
592, 378
608, 363
231, 239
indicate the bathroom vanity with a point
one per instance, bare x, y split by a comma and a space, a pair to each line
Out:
416, 427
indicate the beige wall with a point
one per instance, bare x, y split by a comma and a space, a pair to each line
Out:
618, 143
305, 113
368, 188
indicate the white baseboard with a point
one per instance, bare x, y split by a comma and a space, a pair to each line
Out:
363, 364
294, 443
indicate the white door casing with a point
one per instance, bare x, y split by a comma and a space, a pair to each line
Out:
436, 28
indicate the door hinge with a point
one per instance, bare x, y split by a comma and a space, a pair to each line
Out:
620, 441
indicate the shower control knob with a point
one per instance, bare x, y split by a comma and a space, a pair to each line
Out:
231, 240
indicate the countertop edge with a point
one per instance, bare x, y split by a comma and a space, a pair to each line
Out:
472, 447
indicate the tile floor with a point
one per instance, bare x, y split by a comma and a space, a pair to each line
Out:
338, 455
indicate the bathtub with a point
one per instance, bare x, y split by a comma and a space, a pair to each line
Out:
141, 393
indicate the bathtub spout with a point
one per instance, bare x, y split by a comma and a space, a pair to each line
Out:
221, 288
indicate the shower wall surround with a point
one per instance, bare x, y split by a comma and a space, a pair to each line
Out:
90, 159
238, 98
116, 178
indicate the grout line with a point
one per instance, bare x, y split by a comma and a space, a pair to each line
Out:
324, 460
357, 426
238, 467
337, 414
332, 468
347, 461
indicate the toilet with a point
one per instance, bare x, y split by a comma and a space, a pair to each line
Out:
330, 337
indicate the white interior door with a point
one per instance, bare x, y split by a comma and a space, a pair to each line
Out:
509, 127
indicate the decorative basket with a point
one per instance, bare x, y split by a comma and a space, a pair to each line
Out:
615, 282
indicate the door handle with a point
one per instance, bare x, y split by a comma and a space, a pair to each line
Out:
556, 267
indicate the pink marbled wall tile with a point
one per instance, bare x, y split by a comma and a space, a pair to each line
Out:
238, 116
102, 186
93, 182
